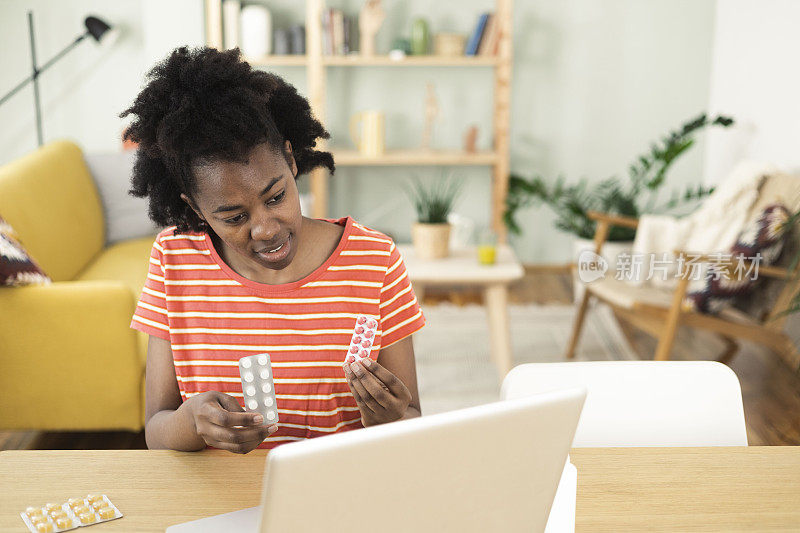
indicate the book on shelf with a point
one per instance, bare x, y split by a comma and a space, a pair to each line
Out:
475, 39
326, 32
338, 33
346, 45
298, 39
491, 37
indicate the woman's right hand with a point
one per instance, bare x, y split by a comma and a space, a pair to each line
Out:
222, 423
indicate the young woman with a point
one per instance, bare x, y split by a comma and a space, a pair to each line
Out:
240, 271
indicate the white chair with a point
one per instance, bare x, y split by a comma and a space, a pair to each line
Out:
644, 403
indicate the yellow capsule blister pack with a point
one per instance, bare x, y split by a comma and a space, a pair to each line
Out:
72, 514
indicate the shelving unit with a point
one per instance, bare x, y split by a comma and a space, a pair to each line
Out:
415, 157
376, 61
278, 61
316, 64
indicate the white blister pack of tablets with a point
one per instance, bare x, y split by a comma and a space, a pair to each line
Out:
258, 386
75, 513
363, 337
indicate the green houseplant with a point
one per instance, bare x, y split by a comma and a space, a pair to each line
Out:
634, 196
431, 231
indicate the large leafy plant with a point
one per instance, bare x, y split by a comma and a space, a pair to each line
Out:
434, 202
634, 196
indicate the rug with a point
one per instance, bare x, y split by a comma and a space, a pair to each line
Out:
452, 351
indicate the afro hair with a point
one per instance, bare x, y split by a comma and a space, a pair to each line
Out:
203, 105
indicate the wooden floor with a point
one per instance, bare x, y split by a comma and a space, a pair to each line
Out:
771, 391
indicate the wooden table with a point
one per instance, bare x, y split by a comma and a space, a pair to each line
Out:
619, 489
461, 267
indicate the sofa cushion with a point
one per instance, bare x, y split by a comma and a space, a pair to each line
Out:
126, 261
627, 295
776, 189
51, 201
125, 215
16, 266
762, 238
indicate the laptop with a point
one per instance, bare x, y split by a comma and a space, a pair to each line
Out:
494, 467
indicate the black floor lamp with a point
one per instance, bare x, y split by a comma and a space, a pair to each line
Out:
95, 28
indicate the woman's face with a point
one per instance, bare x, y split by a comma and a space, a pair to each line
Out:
253, 207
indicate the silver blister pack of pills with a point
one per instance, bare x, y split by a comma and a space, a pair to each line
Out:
258, 386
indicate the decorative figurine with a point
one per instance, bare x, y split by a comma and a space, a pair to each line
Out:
420, 37
369, 22
431, 112
449, 44
400, 49
470, 138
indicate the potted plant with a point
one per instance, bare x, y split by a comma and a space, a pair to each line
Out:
430, 234
632, 197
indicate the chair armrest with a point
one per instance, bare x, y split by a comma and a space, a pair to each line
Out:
604, 223
69, 357
614, 220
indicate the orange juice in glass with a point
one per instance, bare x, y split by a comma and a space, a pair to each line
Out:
487, 247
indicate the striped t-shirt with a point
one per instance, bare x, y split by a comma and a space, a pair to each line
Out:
212, 317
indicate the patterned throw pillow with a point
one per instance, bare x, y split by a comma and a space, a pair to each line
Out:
16, 266
764, 236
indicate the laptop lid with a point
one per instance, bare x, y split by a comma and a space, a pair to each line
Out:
494, 467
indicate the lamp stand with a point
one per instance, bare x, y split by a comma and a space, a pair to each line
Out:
35, 72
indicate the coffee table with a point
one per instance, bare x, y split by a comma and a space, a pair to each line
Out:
461, 267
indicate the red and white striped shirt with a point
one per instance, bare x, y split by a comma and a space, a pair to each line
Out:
212, 317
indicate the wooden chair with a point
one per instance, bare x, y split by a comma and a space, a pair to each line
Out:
660, 313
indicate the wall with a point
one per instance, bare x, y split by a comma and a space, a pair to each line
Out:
755, 78
594, 82
84, 92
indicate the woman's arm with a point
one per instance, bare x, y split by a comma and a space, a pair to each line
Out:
211, 418
386, 390
168, 424
399, 360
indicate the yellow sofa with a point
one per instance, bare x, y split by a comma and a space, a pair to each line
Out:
68, 360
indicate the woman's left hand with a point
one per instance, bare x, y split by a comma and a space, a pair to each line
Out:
381, 396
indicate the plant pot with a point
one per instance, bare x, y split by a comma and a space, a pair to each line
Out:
610, 251
431, 241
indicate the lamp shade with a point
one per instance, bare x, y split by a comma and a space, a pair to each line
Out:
96, 27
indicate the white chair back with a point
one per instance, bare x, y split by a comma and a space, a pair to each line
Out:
644, 403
